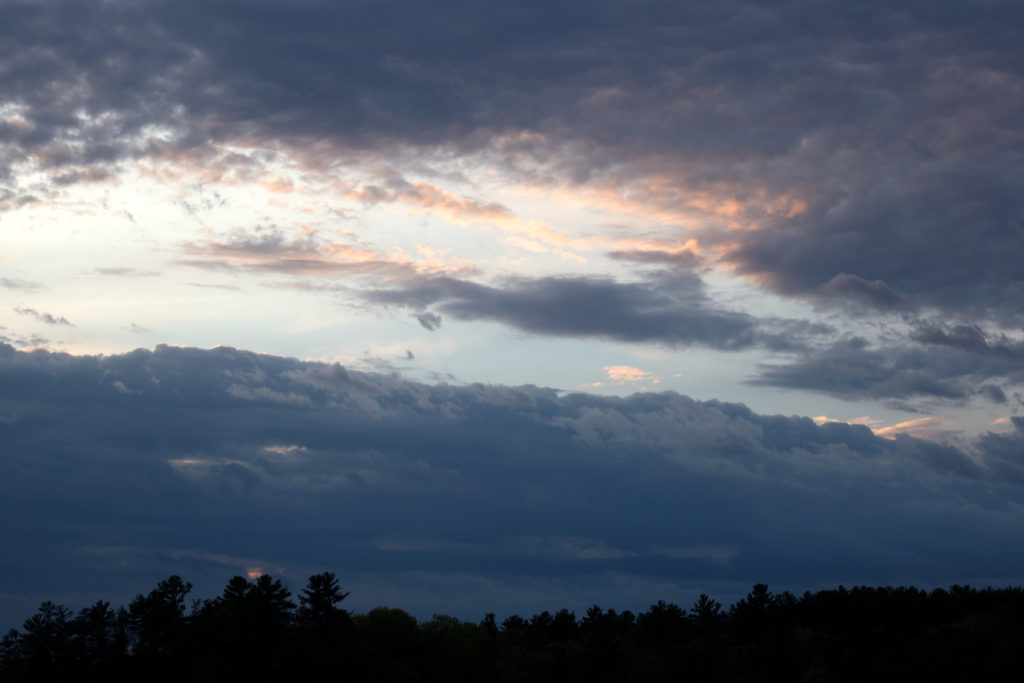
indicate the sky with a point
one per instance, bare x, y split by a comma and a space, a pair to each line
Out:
510, 306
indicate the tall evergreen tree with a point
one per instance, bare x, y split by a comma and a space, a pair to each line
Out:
318, 601
156, 620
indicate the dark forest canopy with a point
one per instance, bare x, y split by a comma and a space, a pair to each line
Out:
256, 629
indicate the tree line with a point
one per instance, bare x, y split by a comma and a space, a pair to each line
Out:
255, 631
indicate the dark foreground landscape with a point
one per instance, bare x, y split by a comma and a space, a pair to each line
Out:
255, 631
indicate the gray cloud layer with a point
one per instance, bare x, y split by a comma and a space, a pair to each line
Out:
937, 361
896, 125
672, 309
121, 469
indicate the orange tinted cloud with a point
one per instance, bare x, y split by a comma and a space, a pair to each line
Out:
869, 422
312, 253
675, 201
627, 374
930, 428
459, 209
429, 198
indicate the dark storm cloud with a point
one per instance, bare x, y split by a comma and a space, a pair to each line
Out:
952, 362
87, 80
992, 392
671, 309
119, 470
1005, 452
969, 338
934, 243
891, 130
852, 290
789, 335
852, 369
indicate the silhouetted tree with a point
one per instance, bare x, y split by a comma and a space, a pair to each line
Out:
100, 637
564, 626
46, 645
251, 632
323, 628
235, 591
271, 603
604, 650
751, 615
706, 613
155, 621
662, 621
660, 637
224, 631
11, 663
513, 623
389, 642
268, 610
454, 650
318, 602
489, 625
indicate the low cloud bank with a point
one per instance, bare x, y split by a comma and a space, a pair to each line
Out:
119, 470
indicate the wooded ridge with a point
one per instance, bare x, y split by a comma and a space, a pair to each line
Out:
255, 631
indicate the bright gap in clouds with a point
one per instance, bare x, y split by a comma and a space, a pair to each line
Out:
272, 256
273, 262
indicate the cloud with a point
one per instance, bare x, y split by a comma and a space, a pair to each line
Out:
159, 450
992, 392
1003, 451
307, 252
665, 308
850, 368
31, 341
932, 360
18, 283
930, 428
684, 258
43, 317
429, 198
124, 271
969, 338
430, 321
135, 328
625, 374
204, 285
856, 291
674, 311
805, 160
